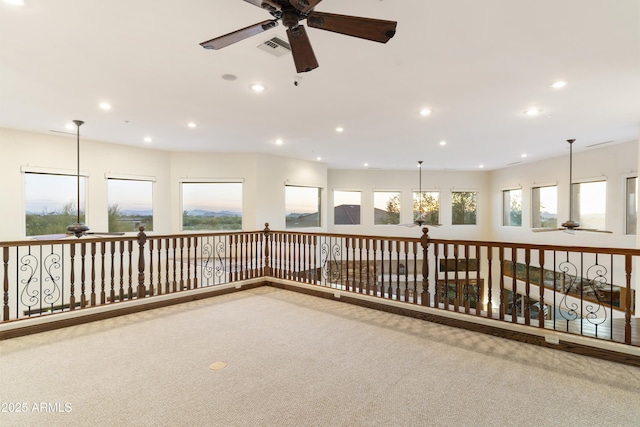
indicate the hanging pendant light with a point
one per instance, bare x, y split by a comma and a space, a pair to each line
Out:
78, 229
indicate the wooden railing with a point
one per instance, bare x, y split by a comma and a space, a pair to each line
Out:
51, 276
586, 291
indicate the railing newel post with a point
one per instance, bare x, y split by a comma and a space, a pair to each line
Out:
424, 242
142, 239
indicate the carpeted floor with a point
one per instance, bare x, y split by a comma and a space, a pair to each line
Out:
295, 360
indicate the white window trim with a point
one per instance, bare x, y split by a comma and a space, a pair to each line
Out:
127, 177
52, 171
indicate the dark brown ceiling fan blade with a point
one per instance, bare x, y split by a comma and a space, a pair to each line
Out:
365, 28
301, 49
236, 36
304, 6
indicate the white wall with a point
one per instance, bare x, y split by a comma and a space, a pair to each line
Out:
615, 163
264, 178
58, 152
368, 181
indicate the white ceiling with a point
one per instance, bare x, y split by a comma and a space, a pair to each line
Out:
477, 64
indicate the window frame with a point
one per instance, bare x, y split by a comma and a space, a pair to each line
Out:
359, 192
416, 204
536, 219
134, 178
182, 182
397, 193
74, 174
289, 224
475, 212
576, 198
630, 225
508, 212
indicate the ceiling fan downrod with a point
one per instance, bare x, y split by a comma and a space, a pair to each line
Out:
420, 219
78, 229
570, 224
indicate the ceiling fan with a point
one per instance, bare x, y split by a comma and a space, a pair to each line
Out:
570, 226
420, 221
291, 12
78, 229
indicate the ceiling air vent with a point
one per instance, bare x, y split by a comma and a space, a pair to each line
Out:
275, 46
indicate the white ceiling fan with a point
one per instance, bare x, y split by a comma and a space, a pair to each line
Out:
570, 226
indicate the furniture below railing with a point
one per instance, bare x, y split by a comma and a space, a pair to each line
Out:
579, 290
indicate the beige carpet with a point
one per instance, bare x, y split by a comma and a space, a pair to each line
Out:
296, 360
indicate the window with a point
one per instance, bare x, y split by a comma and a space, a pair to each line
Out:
302, 206
51, 202
631, 214
464, 205
211, 206
512, 208
426, 206
129, 204
386, 206
544, 204
346, 207
589, 204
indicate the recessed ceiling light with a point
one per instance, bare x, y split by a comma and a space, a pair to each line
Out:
104, 106
70, 126
523, 155
533, 111
318, 158
366, 165
148, 139
339, 129
14, 2
279, 141
257, 87
191, 124
559, 84
481, 166
443, 143
425, 112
